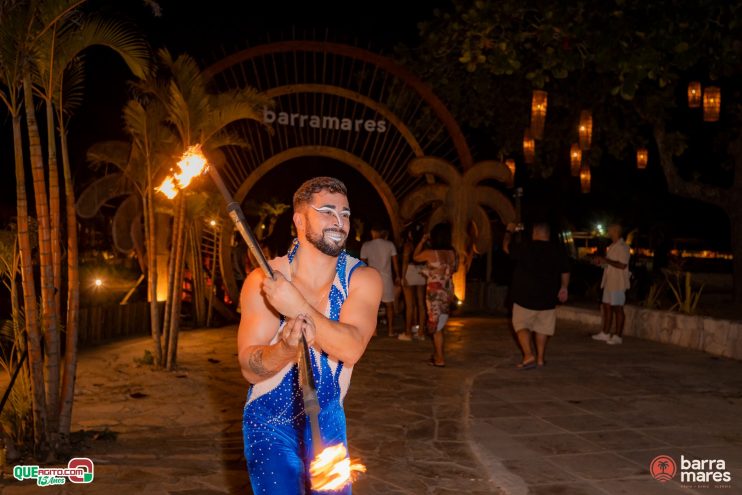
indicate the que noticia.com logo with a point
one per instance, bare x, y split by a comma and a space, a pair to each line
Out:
704, 471
78, 470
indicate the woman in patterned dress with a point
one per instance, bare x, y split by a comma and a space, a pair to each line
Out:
441, 263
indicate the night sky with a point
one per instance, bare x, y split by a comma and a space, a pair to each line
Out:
208, 30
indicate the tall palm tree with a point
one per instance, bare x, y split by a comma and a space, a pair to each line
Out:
47, 38
460, 200
172, 111
60, 80
198, 117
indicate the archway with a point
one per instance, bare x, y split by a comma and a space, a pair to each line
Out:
338, 102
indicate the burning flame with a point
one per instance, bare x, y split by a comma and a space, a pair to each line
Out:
332, 469
168, 188
191, 164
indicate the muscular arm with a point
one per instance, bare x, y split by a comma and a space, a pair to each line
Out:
259, 360
346, 339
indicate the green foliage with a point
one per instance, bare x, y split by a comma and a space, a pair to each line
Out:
654, 297
686, 296
627, 60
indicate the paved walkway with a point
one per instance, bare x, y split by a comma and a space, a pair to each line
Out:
589, 422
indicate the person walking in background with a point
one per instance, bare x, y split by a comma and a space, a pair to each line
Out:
441, 262
381, 254
615, 283
413, 287
540, 279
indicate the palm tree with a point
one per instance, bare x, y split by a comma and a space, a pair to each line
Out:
198, 117
60, 79
42, 41
460, 200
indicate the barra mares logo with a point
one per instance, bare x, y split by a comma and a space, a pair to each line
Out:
694, 473
78, 470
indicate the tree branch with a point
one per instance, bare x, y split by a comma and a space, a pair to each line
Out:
714, 195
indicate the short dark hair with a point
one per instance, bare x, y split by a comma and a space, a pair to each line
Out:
305, 192
440, 237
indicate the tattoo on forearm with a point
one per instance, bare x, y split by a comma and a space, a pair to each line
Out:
256, 363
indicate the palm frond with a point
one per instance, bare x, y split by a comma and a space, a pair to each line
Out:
488, 169
73, 88
438, 167
96, 31
226, 138
116, 153
495, 200
232, 106
420, 198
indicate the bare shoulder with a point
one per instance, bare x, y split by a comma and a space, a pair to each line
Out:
365, 278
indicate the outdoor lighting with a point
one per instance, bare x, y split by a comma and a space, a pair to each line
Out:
585, 178
711, 104
600, 229
510, 164
575, 159
529, 147
694, 94
459, 303
538, 113
212, 223
98, 282
586, 129
641, 158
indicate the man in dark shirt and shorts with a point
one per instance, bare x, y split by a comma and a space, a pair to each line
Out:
540, 279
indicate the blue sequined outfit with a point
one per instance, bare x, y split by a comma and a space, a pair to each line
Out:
276, 431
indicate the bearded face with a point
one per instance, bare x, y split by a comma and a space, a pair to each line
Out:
330, 241
327, 222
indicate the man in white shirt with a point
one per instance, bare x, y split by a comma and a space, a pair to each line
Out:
381, 254
615, 283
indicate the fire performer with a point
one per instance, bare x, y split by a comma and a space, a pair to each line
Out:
331, 298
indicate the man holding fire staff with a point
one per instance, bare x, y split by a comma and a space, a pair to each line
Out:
330, 298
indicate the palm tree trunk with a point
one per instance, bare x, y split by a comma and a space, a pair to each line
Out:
177, 286
49, 313
54, 207
149, 227
73, 294
30, 305
170, 282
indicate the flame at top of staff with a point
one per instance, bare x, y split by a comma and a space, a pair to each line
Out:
332, 469
192, 164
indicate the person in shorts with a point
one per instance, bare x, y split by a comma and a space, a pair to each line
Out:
381, 254
540, 279
615, 283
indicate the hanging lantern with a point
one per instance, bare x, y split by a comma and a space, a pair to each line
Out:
575, 159
510, 164
538, 113
642, 156
529, 147
585, 178
694, 94
711, 104
586, 129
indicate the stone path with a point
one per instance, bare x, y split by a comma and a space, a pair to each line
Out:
589, 422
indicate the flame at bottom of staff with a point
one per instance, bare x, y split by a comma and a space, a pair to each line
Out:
332, 469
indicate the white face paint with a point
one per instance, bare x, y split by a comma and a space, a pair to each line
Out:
345, 214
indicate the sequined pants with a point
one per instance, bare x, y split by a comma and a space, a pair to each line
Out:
278, 448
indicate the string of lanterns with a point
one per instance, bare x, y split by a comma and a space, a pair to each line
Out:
709, 98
